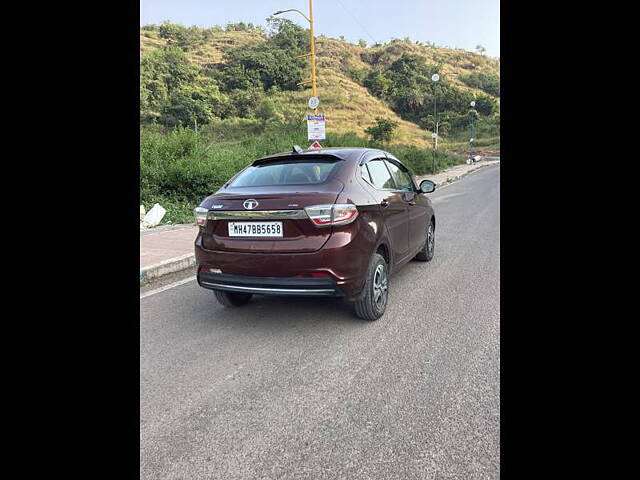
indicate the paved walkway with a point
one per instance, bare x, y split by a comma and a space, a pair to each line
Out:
161, 244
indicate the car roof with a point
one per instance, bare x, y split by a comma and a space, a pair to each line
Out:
343, 153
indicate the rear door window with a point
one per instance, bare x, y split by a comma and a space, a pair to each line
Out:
402, 178
287, 172
380, 176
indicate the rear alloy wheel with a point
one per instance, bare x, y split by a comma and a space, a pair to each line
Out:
232, 299
426, 254
376, 290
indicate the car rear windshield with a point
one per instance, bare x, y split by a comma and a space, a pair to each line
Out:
287, 172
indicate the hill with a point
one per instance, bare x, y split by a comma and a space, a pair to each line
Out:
347, 104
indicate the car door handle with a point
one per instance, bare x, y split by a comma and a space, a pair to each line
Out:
384, 203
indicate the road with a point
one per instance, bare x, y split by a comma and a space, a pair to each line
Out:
301, 388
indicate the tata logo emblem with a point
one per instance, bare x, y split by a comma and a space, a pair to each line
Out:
250, 204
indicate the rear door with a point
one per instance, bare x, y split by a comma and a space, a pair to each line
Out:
394, 207
268, 198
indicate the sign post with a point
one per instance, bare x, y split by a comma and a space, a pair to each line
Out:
315, 127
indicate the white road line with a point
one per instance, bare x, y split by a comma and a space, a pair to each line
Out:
167, 287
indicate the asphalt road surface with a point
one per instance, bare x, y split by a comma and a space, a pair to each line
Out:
302, 388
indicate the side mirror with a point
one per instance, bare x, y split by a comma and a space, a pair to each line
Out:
427, 186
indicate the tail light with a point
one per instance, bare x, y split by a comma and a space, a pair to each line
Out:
337, 214
201, 216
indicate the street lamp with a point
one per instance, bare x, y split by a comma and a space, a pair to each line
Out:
435, 78
473, 130
312, 45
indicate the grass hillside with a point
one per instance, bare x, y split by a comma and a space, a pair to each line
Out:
347, 105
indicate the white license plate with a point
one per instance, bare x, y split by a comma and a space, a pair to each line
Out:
255, 229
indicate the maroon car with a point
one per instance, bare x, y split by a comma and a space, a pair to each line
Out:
327, 222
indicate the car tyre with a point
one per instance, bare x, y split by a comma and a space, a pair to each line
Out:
426, 254
373, 302
232, 299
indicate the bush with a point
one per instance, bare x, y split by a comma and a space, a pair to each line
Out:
382, 130
486, 105
487, 82
359, 75
420, 161
200, 102
185, 38
265, 67
175, 92
377, 83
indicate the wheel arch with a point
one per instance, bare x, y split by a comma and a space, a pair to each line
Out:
383, 249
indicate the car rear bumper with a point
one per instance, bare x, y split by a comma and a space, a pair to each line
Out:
306, 287
283, 273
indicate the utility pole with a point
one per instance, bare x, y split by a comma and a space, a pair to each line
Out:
313, 54
312, 46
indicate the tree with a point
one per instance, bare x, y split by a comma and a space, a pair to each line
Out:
200, 101
362, 43
162, 72
383, 130
183, 37
274, 62
480, 49
262, 66
285, 34
486, 105
487, 82
377, 82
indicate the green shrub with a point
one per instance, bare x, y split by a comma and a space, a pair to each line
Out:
487, 82
382, 130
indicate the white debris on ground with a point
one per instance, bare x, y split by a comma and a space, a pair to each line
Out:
153, 217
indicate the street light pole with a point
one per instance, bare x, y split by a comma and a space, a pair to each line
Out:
435, 112
434, 78
473, 130
313, 54
312, 46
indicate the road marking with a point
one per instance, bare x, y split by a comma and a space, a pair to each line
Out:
167, 287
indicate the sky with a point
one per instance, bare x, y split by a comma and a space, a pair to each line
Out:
447, 23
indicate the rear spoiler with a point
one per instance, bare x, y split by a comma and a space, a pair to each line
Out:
303, 157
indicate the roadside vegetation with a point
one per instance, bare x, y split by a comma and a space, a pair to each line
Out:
213, 100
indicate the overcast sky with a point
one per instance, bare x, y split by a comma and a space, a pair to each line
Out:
447, 23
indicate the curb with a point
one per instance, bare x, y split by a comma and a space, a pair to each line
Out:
478, 167
451, 180
166, 267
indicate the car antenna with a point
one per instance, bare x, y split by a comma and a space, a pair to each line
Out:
296, 149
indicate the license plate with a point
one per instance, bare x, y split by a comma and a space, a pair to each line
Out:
255, 229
